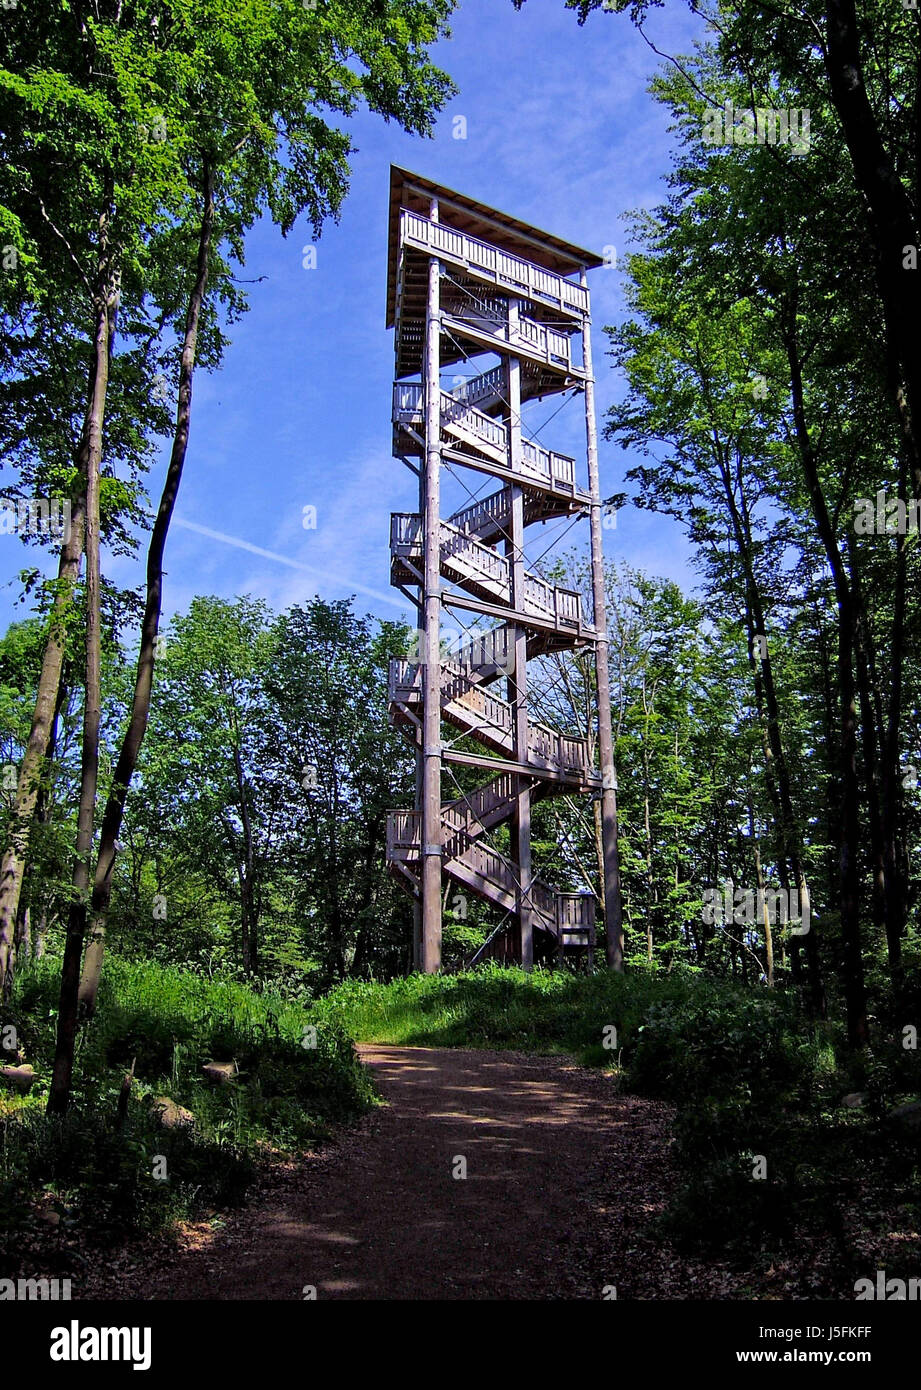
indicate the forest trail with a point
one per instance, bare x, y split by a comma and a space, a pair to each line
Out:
562, 1172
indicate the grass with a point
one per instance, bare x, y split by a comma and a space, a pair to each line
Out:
497, 1007
296, 1076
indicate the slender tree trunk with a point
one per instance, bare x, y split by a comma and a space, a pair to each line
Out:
599, 845
872, 737
29, 940
890, 778
336, 926
28, 786
59, 1094
776, 760
891, 788
362, 955
849, 787
23, 944
140, 707
759, 875
249, 942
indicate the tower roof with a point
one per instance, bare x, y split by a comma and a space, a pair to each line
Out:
413, 191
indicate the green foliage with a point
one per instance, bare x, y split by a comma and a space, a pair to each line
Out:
284, 1097
496, 1007
765, 1147
281, 725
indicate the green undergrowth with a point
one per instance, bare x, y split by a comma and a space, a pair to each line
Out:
295, 1076
767, 1151
499, 1007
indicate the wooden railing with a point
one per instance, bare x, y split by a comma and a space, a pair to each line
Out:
564, 606
481, 703
558, 913
402, 835
407, 403
523, 277
466, 816
547, 464
545, 342
483, 427
481, 564
548, 749
558, 752
544, 465
575, 911
408, 410
492, 510
491, 652
404, 681
479, 388
490, 315
405, 534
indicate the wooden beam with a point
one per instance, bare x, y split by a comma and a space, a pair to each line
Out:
495, 765
613, 917
431, 848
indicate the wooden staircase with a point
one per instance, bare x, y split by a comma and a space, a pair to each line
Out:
485, 716
474, 438
568, 918
480, 571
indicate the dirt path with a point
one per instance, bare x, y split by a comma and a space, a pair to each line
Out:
561, 1175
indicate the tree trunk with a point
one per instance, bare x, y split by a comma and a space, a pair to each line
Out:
890, 778
249, 943
759, 875
59, 1094
23, 946
776, 762
893, 219
849, 822
29, 942
28, 786
140, 707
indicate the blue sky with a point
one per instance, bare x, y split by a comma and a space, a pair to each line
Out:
561, 132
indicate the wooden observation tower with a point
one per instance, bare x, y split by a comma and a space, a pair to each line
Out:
467, 283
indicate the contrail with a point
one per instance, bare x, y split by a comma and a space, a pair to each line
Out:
325, 575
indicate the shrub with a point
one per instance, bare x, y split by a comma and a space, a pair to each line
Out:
168, 1023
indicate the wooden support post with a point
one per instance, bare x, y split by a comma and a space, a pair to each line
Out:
613, 915
419, 782
430, 847
420, 778
518, 678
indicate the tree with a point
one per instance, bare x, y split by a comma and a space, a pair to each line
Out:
338, 766
247, 108
69, 104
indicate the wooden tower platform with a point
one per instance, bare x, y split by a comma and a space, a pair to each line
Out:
468, 282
